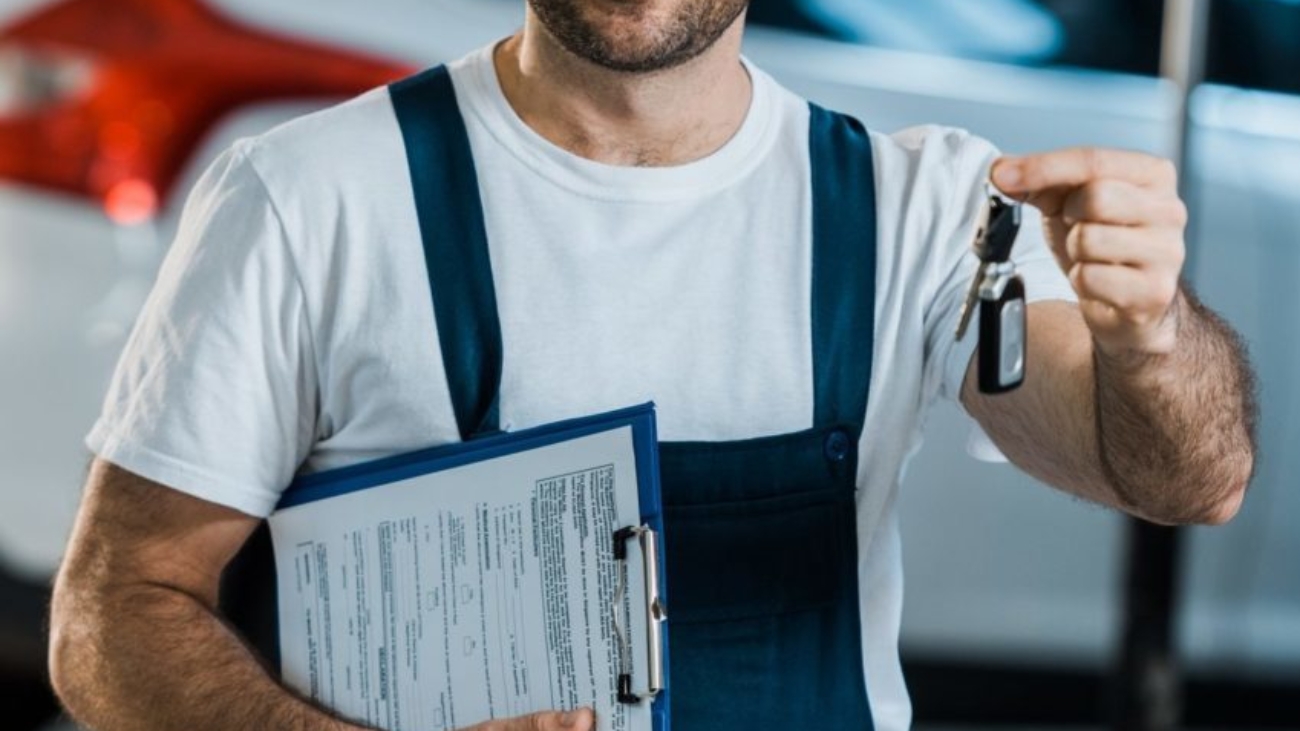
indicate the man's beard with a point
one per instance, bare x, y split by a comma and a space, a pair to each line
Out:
692, 29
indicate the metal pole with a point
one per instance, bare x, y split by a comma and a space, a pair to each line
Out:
1182, 63
1148, 685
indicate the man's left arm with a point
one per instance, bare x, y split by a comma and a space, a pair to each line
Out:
1139, 397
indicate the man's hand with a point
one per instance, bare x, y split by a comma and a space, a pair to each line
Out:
1115, 223
1140, 398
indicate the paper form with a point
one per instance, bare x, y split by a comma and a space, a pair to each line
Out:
483, 591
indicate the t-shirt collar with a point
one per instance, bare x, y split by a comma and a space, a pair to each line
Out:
486, 103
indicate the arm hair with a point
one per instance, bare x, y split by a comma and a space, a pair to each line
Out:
1167, 438
136, 641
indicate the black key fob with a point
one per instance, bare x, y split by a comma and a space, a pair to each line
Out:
1003, 338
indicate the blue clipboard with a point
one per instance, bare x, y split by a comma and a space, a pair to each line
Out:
333, 483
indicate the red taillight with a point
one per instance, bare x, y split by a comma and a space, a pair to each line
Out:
107, 99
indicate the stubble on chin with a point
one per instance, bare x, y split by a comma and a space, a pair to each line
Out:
628, 38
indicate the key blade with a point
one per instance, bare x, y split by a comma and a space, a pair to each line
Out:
967, 311
968, 307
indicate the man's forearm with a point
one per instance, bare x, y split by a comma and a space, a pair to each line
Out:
1175, 432
150, 657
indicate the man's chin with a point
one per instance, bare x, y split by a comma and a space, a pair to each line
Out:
636, 60
636, 36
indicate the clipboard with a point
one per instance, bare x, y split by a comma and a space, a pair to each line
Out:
647, 684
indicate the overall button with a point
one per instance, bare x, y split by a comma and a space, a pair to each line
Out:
838, 445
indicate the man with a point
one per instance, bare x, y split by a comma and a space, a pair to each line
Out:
660, 226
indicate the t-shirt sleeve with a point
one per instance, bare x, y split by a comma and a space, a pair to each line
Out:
214, 394
948, 358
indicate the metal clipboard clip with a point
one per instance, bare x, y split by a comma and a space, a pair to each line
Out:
655, 614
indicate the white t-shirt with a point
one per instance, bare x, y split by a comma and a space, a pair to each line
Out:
291, 328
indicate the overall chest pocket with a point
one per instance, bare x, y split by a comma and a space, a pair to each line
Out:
761, 527
759, 558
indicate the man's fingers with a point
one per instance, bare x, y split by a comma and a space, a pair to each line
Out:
1122, 203
1115, 224
580, 720
583, 719
1025, 177
1099, 243
1138, 297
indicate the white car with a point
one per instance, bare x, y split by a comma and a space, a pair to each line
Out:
999, 568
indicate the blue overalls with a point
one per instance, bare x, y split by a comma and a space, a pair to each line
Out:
760, 535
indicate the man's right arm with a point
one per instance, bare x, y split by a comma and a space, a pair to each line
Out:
136, 641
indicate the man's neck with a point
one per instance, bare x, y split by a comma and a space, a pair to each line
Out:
662, 118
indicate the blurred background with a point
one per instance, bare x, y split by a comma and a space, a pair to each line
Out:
1023, 608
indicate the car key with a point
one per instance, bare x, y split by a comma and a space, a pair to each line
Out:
1000, 293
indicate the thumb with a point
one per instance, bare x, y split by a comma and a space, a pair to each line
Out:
1008, 175
583, 719
580, 720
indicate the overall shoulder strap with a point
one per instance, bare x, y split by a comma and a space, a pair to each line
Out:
844, 266
450, 212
